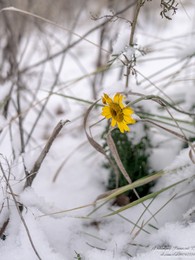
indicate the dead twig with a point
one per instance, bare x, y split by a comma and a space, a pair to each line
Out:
44, 152
3, 228
19, 212
66, 29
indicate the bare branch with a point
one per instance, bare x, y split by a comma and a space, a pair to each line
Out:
44, 152
19, 212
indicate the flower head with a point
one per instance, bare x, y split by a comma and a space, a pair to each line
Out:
114, 109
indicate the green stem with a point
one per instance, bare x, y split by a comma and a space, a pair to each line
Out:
144, 115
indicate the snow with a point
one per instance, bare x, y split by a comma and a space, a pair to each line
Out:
96, 254
57, 211
122, 41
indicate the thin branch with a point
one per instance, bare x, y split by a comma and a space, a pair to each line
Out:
75, 42
20, 118
44, 152
19, 212
131, 41
53, 84
139, 4
3, 228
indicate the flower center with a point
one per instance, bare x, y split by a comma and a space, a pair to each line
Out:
116, 112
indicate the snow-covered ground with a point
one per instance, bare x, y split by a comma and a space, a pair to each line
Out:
57, 216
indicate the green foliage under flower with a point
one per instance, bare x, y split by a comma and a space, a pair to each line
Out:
134, 158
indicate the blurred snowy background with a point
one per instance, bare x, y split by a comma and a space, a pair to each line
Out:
54, 58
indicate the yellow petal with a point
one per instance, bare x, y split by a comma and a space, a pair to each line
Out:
106, 109
123, 127
106, 99
128, 111
113, 123
106, 112
121, 101
126, 128
129, 120
118, 99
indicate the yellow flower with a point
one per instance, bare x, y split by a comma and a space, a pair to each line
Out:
115, 110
